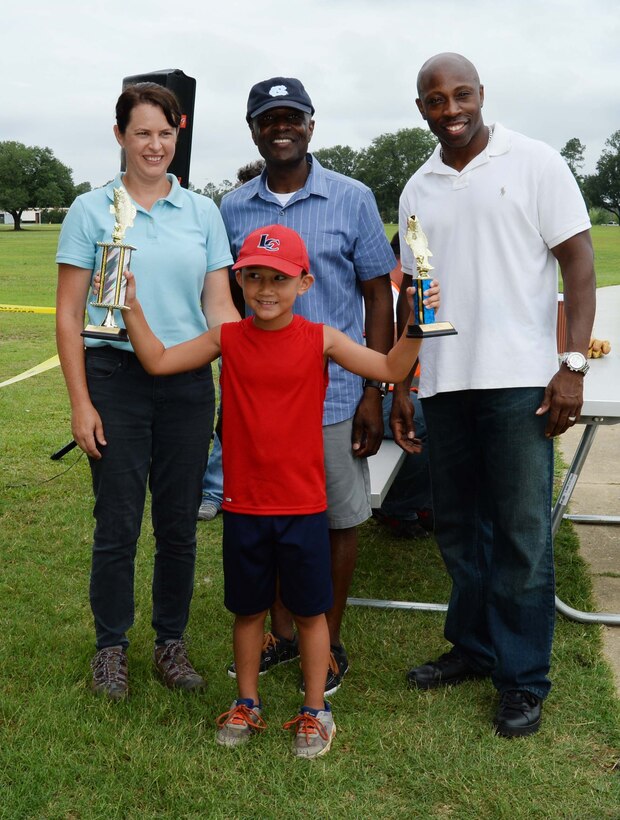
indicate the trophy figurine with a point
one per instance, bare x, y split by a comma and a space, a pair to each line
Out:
115, 260
426, 325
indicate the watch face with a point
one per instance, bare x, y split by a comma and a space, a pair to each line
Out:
575, 360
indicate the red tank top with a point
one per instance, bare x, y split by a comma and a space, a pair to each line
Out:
273, 388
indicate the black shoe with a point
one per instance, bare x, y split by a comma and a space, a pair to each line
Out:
519, 713
426, 519
338, 668
400, 527
447, 670
276, 650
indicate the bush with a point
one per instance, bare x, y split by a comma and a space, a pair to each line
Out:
53, 216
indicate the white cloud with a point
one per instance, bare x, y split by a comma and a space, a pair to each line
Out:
550, 70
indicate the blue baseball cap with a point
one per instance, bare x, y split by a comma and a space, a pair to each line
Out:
278, 92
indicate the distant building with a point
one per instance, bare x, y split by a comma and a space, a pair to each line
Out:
31, 217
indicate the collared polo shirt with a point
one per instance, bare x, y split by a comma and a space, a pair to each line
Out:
180, 240
491, 228
337, 218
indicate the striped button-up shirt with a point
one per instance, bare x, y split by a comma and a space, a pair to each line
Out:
337, 218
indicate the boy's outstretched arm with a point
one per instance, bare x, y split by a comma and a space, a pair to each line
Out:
359, 359
157, 359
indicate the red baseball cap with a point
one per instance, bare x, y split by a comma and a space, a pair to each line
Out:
277, 247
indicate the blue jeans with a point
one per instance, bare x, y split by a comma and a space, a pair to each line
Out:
411, 489
213, 481
492, 474
158, 431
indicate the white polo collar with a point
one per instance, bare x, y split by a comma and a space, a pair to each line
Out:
500, 144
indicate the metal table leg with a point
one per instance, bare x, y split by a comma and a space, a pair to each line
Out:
579, 459
558, 513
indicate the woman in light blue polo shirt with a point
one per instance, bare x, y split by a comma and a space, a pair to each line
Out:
137, 429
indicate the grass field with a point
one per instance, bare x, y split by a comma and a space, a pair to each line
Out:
397, 754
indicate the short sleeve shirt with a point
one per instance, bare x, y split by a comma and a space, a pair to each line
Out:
337, 218
491, 228
179, 241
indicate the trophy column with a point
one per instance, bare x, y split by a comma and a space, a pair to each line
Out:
425, 326
115, 259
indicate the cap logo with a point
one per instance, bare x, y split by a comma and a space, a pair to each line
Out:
268, 244
278, 91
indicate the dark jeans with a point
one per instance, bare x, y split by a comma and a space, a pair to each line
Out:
157, 430
411, 489
492, 473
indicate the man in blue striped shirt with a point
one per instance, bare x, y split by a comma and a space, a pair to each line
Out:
351, 259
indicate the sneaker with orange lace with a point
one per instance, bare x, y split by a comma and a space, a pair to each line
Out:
337, 669
240, 722
276, 650
314, 731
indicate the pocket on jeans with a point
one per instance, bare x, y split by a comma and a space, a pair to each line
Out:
99, 367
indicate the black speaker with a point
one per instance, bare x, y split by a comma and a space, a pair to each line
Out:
184, 89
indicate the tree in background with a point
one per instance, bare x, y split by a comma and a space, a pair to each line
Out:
83, 188
573, 153
340, 158
32, 177
603, 188
213, 191
389, 161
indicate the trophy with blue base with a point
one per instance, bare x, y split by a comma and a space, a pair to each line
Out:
425, 326
115, 259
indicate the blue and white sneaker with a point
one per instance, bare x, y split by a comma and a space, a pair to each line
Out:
314, 731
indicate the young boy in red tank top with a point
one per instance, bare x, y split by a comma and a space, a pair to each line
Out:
274, 377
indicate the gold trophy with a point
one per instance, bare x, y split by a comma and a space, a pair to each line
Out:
115, 259
426, 325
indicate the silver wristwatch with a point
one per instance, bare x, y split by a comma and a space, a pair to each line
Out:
576, 362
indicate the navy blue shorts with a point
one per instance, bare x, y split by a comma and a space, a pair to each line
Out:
260, 549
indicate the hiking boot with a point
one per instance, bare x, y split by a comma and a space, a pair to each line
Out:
174, 668
241, 721
314, 731
110, 673
519, 713
338, 668
275, 651
207, 511
449, 669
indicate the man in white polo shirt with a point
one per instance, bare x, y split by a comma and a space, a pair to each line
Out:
500, 211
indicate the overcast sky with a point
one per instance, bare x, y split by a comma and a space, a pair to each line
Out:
550, 68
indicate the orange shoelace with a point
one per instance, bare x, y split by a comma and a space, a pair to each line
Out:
308, 725
333, 664
269, 641
240, 715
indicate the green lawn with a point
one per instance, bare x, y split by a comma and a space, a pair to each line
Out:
397, 754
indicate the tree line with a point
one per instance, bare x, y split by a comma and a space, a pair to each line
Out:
385, 166
601, 189
32, 177
391, 159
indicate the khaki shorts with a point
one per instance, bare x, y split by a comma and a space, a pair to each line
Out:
347, 478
